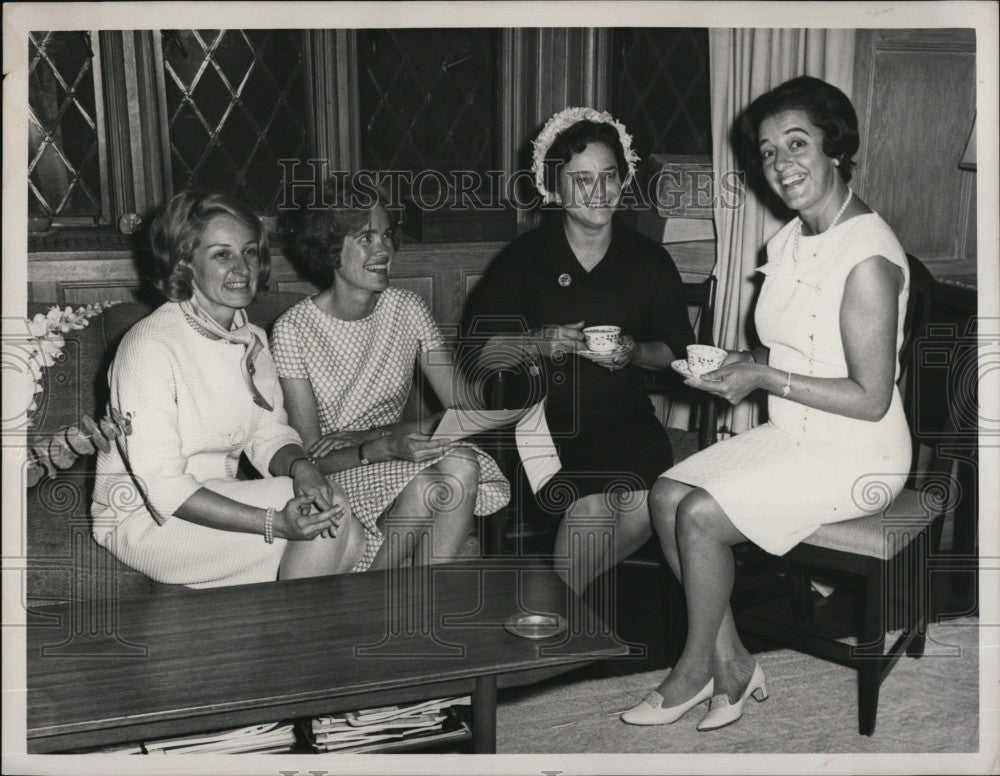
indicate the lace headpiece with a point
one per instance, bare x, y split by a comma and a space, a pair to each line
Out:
563, 121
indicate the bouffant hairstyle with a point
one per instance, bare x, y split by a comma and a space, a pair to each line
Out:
573, 140
827, 107
346, 207
177, 229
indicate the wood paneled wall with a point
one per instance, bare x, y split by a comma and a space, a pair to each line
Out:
442, 274
915, 93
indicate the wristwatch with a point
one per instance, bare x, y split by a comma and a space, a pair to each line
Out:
361, 455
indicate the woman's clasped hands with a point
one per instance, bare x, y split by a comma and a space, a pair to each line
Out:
298, 520
733, 381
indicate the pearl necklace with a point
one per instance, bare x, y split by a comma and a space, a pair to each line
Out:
199, 328
251, 369
836, 220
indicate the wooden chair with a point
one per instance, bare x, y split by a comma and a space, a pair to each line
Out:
700, 300
884, 556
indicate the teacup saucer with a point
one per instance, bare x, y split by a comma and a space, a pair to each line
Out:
681, 367
599, 354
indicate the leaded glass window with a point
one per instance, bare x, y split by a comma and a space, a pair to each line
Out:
661, 88
429, 99
65, 127
236, 105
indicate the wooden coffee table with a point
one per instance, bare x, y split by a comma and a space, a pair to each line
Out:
198, 660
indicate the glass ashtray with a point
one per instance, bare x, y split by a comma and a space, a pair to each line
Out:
535, 626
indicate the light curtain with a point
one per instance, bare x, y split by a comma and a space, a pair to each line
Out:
744, 64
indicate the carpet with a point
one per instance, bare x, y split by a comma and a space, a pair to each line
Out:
925, 705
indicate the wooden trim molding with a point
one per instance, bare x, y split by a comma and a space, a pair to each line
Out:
136, 122
914, 92
334, 117
101, 122
511, 98
944, 39
442, 273
544, 70
116, 123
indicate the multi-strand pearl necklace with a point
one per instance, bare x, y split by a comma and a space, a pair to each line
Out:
836, 220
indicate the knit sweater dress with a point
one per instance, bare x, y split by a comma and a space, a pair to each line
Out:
192, 415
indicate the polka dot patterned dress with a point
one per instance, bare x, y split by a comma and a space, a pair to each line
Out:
361, 372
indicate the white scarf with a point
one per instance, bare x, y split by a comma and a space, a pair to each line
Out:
240, 334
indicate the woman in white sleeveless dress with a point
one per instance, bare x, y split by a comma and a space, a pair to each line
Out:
830, 317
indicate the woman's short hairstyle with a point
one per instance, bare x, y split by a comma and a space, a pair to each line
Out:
176, 230
827, 107
573, 140
345, 209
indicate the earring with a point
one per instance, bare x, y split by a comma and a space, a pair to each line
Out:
836, 162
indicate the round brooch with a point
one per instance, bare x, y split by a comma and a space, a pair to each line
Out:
565, 279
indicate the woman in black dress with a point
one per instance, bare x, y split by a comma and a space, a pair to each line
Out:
584, 268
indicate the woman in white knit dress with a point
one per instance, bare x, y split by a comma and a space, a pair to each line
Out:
830, 317
199, 386
346, 360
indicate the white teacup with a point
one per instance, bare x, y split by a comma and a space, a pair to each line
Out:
603, 339
704, 358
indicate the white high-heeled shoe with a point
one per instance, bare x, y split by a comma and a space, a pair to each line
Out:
651, 712
721, 712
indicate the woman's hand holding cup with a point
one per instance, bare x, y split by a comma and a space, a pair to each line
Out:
603, 339
703, 359
553, 342
726, 374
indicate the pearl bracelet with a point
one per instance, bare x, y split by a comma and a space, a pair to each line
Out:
269, 525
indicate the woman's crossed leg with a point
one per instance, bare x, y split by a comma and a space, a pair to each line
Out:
697, 537
431, 518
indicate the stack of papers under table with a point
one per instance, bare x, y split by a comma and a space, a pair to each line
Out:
391, 728
260, 739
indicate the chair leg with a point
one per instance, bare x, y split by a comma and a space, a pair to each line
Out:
920, 548
870, 650
801, 596
915, 648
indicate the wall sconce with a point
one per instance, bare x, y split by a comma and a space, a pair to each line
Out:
969, 157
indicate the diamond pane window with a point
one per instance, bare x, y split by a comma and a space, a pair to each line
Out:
236, 105
661, 89
428, 99
64, 127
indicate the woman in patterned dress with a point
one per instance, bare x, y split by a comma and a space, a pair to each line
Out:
345, 358
830, 317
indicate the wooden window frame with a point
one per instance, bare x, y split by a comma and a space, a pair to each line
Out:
542, 71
